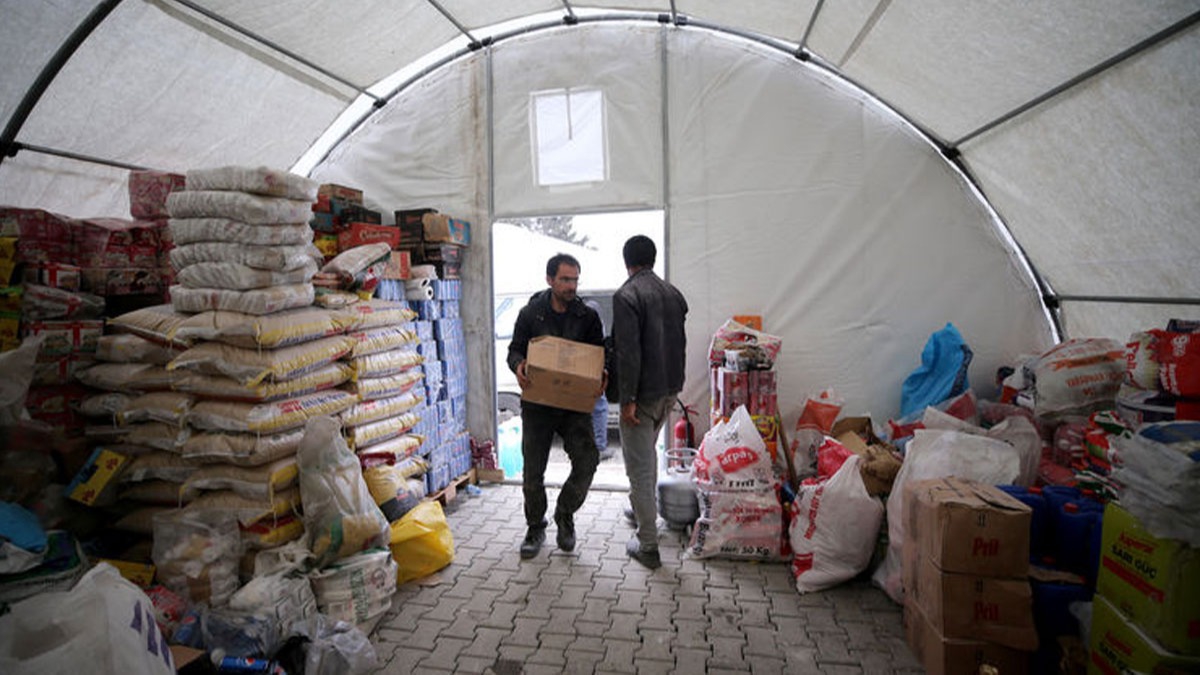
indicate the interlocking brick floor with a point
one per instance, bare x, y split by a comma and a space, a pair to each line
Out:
596, 611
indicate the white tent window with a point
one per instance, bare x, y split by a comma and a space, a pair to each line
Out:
569, 135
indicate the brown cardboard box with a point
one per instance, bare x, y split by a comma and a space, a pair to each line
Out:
441, 228
955, 656
968, 527
399, 265
563, 373
412, 229
968, 606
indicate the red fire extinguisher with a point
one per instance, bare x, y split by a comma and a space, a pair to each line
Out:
685, 434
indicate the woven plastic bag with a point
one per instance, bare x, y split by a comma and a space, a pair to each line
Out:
340, 517
104, 624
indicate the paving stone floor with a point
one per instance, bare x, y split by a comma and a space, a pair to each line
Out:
596, 611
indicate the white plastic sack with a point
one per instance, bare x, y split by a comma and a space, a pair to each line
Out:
193, 230
357, 589
289, 599
274, 258
274, 330
104, 624
17, 366
259, 180
741, 525
238, 277
241, 206
834, 527
1017, 431
733, 456
340, 517
935, 453
251, 366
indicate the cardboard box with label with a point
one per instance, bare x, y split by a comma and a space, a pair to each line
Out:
563, 373
441, 228
1118, 645
967, 606
94, 484
1156, 582
943, 655
399, 265
968, 527
359, 234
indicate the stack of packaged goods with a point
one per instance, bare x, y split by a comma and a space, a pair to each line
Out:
741, 367
435, 239
382, 427
965, 566
436, 302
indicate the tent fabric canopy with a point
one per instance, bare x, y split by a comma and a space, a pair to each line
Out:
858, 172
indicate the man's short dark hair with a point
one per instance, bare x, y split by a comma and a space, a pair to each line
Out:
558, 260
639, 251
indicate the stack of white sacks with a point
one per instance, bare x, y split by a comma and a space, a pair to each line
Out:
234, 368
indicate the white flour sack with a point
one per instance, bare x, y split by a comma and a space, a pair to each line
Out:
238, 277
733, 456
268, 417
193, 230
241, 206
219, 386
274, 258
1078, 376
375, 313
743, 525
259, 180
834, 527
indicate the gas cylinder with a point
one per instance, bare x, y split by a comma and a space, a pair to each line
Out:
678, 503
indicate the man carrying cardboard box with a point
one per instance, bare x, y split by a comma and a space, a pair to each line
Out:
549, 405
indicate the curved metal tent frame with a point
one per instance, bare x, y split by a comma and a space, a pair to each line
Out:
950, 148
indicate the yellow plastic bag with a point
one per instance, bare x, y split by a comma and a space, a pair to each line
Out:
421, 542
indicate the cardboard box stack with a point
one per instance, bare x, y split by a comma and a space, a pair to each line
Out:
968, 601
1146, 611
433, 238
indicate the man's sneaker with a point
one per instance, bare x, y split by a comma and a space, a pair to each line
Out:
566, 532
533, 542
630, 516
646, 557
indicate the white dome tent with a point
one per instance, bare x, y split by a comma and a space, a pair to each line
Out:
859, 173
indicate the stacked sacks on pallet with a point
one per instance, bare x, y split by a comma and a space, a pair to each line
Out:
380, 427
242, 241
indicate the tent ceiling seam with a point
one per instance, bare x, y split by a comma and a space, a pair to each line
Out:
8, 145
245, 32
1101, 67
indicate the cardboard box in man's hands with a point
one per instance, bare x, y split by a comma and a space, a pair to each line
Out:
563, 373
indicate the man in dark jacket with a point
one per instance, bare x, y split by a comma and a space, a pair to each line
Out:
557, 311
650, 345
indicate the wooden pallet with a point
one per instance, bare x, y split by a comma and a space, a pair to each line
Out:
448, 493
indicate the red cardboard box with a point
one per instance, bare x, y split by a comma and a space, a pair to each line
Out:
148, 192
365, 233
113, 242
327, 190
110, 281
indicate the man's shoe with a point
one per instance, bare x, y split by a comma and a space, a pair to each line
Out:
648, 558
533, 542
566, 532
630, 516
